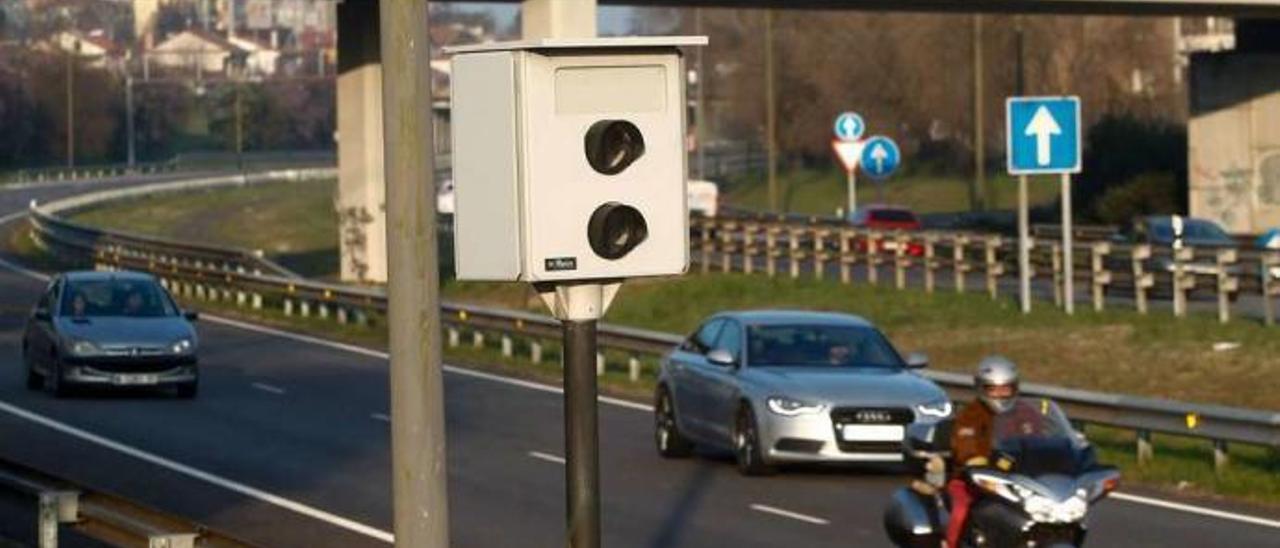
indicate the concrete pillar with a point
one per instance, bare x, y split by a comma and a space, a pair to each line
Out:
558, 19
361, 200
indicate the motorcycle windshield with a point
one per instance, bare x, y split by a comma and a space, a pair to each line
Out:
1037, 436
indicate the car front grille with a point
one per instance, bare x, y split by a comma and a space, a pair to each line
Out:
131, 364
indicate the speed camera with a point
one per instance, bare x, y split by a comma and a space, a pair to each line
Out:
569, 159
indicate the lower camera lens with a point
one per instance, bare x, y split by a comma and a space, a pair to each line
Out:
616, 229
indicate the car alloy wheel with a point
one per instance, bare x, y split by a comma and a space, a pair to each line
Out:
671, 443
746, 441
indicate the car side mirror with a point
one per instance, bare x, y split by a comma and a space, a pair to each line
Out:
721, 357
42, 315
190, 315
917, 360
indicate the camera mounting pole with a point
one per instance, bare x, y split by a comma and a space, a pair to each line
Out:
579, 306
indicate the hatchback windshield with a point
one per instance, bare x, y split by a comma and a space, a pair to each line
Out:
819, 346
1192, 229
893, 216
126, 298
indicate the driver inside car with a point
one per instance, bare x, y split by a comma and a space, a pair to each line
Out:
973, 434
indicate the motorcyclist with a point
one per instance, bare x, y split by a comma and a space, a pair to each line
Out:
972, 437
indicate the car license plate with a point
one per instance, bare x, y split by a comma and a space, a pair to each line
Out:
872, 432
134, 379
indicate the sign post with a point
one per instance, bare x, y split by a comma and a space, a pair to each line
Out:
1044, 138
849, 128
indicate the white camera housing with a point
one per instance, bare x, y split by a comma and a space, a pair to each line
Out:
569, 159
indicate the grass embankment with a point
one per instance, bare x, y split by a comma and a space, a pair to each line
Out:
821, 191
1112, 351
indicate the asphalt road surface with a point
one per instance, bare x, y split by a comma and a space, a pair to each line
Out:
288, 445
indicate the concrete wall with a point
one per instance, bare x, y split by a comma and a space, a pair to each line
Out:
1234, 140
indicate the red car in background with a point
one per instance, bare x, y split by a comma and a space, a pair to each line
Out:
889, 219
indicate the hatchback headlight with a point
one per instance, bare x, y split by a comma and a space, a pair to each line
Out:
939, 408
788, 407
182, 346
84, 348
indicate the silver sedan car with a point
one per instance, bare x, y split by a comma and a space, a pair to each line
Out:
792, 387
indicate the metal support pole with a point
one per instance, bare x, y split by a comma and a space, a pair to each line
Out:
700, 128
128, 122
771, 113
421, 511
1068, 271
71, 107
1024, 246
582, 458
47, 521
239, 125
853, 193
978, 187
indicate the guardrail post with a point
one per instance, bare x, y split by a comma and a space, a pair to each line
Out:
1056, 250
1142, 280
288, 306
1182, 283
872, 240
304, 308
748, 247
995, 268
794, 249
323, 310
771, 251
454, 337
931, 262
846, 259
176, 540
819, 253
1227, 283
535, 352
726, 247
257, 301
1269, 266
960, 264
477, 339
506, 346
901, 261
1220, 456
705, 238
599, 364
633, 369
1100, 275
47, 520
342, 315
1146, 451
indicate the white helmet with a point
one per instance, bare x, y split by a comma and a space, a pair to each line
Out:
997, 383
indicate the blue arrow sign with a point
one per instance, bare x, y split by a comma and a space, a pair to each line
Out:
849, 126
1043, 135
880, 157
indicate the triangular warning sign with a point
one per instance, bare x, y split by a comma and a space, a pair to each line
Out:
848, 152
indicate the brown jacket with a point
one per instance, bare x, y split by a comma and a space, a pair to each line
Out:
971, 434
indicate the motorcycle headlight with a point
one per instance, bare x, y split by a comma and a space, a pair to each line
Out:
182, 346
83, 348
789, 407
1045, 510
939, 408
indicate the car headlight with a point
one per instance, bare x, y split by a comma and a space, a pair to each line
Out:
938, 408
788, 407
83, 348
182, 346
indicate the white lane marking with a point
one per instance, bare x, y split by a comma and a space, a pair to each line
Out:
1134, 499
1208, 512
789, 514
268, 388
380, 417
547, 457
298, 507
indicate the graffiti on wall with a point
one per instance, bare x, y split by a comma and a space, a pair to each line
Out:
1225, 195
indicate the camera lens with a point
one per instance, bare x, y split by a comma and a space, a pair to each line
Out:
615, 229
612, 145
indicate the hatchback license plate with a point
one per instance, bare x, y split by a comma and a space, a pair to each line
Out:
872, 432
134, 379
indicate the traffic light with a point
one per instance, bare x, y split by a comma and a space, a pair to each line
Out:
569, 159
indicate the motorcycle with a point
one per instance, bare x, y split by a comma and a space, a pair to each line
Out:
1038, 491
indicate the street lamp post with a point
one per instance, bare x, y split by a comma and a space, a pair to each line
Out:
128, 121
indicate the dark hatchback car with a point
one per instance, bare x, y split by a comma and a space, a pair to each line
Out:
109, 330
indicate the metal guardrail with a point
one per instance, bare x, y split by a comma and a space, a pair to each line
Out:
194, 277
55, 174
61, 506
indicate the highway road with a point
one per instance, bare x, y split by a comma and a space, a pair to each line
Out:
288, 445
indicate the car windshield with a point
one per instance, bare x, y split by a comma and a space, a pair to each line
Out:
116, 298
819, 346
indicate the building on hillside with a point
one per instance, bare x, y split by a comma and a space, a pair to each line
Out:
259, 59
197, 51
93, 47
